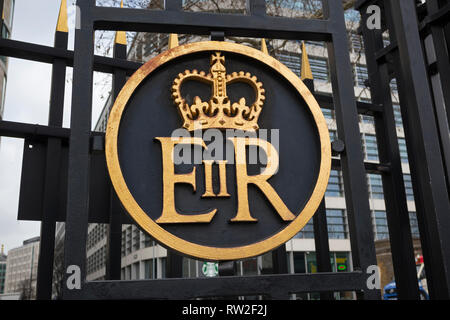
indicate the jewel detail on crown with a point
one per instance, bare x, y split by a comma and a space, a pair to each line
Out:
219, 112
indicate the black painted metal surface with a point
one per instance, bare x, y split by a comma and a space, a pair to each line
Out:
404, 59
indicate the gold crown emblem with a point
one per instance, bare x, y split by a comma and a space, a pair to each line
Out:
219, 112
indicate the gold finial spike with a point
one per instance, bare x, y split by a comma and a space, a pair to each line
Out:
264, 46
121, 36
62, 25
306, 72
173, 40
3, 248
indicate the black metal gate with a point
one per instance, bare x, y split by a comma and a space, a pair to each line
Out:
73, 159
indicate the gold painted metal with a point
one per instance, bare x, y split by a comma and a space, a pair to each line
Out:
62, 25
306, 72
260, 180
152, 227
121, 36
223, 179
173, 40
169, 212
218, 112
264, 46
209, 192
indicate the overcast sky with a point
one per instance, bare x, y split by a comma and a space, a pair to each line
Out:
27, 98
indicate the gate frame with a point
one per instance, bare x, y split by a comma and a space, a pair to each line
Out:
83, 142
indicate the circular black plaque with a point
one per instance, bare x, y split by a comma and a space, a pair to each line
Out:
145, 110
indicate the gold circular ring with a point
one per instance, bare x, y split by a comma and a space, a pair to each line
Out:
165, 237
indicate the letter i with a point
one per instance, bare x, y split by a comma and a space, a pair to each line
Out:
223, 178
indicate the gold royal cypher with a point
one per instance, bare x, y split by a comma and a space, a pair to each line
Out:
219, 113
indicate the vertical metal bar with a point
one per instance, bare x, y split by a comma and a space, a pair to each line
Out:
174, 265
79, 151
447, 35
393, 184
437, 52
352, 160
322, 245
52, 173
174, 5
427, 169
321, 227
279, 260
256, 7
442, 54
114, 256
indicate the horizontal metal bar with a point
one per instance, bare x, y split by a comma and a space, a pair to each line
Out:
386, 51
376, 168
42, 132
26, 130
46, 54
272, 285
360, 3
440, 17
326, 101
202, 23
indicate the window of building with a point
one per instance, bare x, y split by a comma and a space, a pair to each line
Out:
136, 271
319, 68
366, 118
136, 239
370, 147
147, 241
306, 262
403, 150
307, 232
341, 262
414, 225
394, 85
397, 115
337, 225
299, 262
123, 251
333, 135
150, 269
311, 262
375, 186
361, 75
316, 43
292, 61
335, 185
250, 267
381, 226
356, 43
408, 187
328, 113
163, 267
190, 268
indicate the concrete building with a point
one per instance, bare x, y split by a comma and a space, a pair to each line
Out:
6, 26
142, 259
21, 269
3, 258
